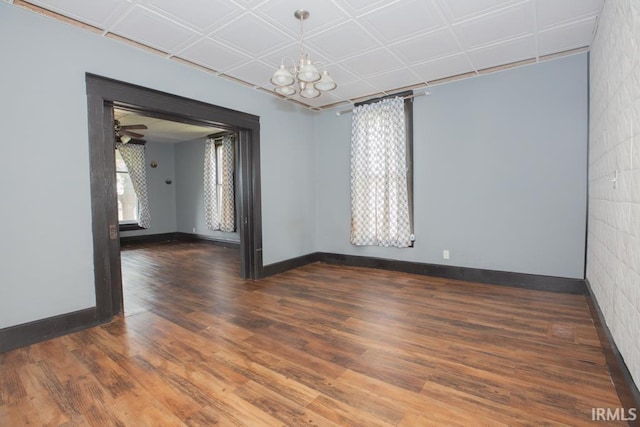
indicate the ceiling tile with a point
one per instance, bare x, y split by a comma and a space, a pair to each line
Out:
340, 75
254, 72
368, 46
388, 82
147, 27
262, 36
355, 89
425, 47
322, 15
444, 67
461, 10
209, 53
291, 51
251, 4
567, 37
97, 13
503, 53
500, 26
341, 42
292, 54
551, 13
200, 14
327, 98
401, 20
371, 63
359, 7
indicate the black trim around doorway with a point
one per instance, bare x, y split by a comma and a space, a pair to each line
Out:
102, 95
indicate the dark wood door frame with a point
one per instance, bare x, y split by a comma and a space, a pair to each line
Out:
102, 95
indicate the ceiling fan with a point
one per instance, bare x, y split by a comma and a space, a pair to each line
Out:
124, 133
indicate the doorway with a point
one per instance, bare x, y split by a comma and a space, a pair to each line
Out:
102, 95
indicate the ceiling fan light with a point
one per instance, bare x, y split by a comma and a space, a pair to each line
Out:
124, 139
325, 83
285, 90
308, 73
282, 77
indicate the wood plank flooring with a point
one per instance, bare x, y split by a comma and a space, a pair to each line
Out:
321, 345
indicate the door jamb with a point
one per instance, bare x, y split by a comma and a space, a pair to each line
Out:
102, 94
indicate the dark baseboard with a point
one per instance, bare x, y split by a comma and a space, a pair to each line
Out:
41, 330
290, 264
623, 381
147, 238
201, 238
503, 278
177, 237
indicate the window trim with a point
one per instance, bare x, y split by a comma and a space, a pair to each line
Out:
129, 226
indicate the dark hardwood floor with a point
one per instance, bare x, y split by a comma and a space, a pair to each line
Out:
320, 345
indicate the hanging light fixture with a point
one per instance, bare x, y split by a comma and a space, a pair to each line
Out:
302, 78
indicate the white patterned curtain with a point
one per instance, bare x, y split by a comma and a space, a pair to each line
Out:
219, 202
133, 156
227, 202
211, 213
379, 197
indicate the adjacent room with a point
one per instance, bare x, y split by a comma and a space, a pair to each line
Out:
262, 212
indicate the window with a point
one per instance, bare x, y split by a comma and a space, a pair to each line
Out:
382, 173
219, 193
128, 206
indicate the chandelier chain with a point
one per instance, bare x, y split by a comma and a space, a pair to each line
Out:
302, 38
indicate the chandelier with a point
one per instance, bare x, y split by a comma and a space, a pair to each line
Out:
303, 77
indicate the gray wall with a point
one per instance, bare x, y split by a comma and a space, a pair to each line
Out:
613, 255
500, 173
190, 191
162, 196
47, 263
500, 165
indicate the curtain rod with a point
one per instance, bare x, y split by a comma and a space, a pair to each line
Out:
415, 95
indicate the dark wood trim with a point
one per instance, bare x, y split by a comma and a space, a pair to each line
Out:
221, 134
178, 237
44, 329
290, 264
129, 227
102, 95
374, 100
147, 238
493, 277
622, 380
202, 238
103, 205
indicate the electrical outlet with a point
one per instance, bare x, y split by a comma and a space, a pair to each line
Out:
445, 254
193, 230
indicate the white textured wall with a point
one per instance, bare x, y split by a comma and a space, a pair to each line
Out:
613, 254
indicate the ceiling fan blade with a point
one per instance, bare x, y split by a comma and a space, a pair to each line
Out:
131, 134
125, 127
137, 141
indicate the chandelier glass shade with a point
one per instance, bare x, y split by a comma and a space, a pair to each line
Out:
303, 77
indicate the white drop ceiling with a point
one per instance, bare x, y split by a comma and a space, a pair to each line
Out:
369, 47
